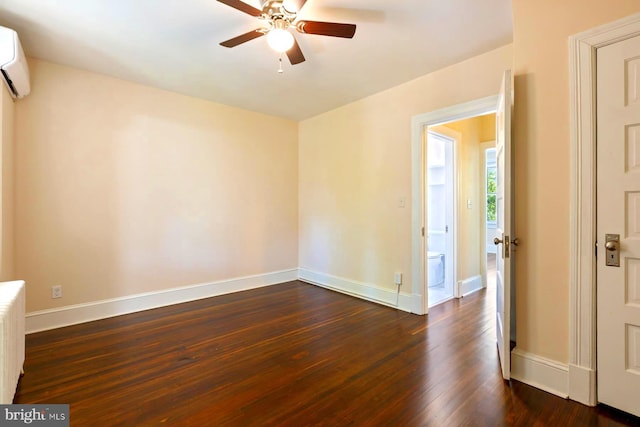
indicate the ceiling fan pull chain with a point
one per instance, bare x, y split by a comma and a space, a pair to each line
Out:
280, 70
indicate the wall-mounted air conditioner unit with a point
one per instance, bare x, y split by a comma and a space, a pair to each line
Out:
13, 64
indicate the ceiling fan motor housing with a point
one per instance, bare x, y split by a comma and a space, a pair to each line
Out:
274, 9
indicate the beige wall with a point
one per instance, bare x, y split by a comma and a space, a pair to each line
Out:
123, 189
355, 166
487, 128
541, 125
7, 201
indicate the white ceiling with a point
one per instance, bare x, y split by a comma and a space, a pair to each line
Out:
173, 45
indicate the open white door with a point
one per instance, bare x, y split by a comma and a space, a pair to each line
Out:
504, 224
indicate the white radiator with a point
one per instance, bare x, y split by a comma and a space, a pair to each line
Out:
12, 308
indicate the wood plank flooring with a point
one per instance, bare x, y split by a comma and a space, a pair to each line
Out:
290, 355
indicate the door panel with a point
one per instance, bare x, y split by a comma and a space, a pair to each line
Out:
504, 223
618, 212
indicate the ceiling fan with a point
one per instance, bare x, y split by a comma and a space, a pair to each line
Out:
279, 16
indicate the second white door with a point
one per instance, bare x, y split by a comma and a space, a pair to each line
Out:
618, 214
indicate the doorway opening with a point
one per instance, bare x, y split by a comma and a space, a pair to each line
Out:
469, 254
458, 199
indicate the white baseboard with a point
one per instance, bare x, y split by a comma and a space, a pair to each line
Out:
73, 314
582, 385
366, 291
470, 285
540, 372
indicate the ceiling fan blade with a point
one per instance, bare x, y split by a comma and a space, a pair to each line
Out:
332, 29
295, 53
242, 38
242, 7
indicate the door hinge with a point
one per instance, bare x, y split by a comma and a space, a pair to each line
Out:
446, 228
422, 231
595, 249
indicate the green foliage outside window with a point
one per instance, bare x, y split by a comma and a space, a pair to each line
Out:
491, 207
491, 194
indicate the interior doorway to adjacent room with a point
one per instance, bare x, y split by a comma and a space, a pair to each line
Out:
460, 180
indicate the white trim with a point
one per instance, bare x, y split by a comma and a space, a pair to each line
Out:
73, 314
470, 285
418, 123
366, 291
582, 384
540, 372
582, 312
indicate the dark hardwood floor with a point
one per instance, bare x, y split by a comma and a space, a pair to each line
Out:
292, 355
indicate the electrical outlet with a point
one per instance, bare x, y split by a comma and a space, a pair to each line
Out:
56, 291
397, 278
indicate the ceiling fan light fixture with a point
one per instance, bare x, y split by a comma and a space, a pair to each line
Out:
280, 40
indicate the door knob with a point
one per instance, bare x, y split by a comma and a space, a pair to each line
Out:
497, 241
612, 245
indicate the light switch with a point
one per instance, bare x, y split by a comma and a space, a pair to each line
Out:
401, 202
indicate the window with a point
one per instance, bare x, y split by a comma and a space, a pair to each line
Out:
491, 185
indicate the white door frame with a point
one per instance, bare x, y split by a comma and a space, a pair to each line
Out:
582, 311
419, 124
